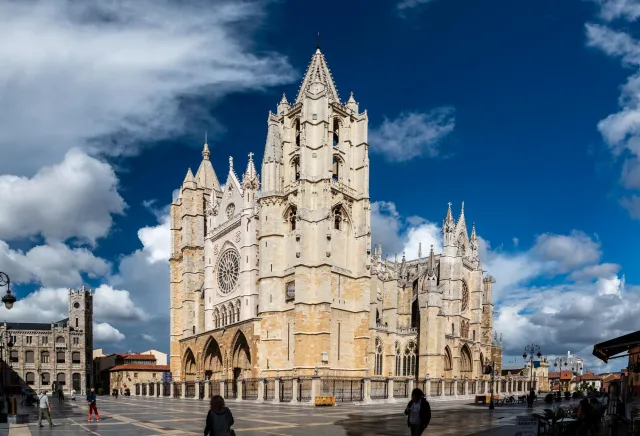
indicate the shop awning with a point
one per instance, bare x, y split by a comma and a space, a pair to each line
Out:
606, 350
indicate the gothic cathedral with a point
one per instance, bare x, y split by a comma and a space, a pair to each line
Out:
275, 274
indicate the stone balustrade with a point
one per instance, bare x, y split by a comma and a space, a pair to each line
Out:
303, 390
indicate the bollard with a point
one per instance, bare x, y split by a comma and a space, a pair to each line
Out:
14, 406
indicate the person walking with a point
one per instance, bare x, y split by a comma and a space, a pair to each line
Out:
91, 400
115, 393
44, 408
219, 419
418, 413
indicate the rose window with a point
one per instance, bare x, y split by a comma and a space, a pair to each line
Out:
228, 271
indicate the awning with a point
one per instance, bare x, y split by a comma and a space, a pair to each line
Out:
605, 350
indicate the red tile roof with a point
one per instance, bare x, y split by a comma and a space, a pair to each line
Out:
588, 376
566, 375
137, 356
139, 367
554, 375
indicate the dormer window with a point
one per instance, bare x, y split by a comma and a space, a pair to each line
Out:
292, 217
336, 132
297, 131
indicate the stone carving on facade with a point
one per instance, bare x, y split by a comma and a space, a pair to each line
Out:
238, 236
230, 210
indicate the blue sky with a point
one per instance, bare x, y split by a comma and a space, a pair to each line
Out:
528, 114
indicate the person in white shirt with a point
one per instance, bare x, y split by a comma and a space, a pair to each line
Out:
44, 408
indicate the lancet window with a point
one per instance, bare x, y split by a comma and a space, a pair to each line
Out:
409, 359
465, 359
297, 131
447, 359
398, 360
336, 132
379, 357
295, 167
336, 169
337, 218
292, 218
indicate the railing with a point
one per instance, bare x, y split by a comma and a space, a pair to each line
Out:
379, 389
177, 390
230, 389
400, 388
473, 387
144, 389
409, 330
214, 388
269, 389
345, 390
460, 385
166, 389
435, 388
304, 389
250, 389
448, 387
190, 390
286, 390
137, 388
152, 389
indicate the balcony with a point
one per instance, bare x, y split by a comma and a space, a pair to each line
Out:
412, 330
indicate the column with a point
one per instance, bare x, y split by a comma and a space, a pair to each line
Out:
441, 384
171, 389
390, 389
260, 390
427, 387
276, 389
239, 388
294, 396
197, 395
455, 388
315, 388
411, 385
183, 388
148, 389
207, 389
466, 387
366, 397
222, 391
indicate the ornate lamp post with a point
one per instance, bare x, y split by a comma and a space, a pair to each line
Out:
532, 351
490, 369
8, 299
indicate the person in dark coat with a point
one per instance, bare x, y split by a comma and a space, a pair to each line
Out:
418, 413
219, 419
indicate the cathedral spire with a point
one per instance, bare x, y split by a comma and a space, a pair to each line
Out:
403, 267
474, 243
318, 72
448, 224
206, 176
431, 264
250, 177
189, 180
461, 226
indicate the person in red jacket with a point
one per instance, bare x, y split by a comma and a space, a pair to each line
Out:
91, 400
418, 413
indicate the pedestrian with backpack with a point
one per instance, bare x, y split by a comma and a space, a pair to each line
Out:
219, 419
44, 408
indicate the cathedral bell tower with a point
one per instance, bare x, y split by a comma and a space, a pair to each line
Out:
315, 231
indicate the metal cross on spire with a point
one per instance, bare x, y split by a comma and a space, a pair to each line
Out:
318, 45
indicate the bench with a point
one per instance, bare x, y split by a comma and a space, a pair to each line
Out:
325, 401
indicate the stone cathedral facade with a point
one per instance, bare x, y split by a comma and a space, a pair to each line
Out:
275, 274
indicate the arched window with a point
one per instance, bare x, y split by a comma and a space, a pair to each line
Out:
60, 357
447, 359
292, 217
238, 304
336, 132
409, 359
30, 378
465, 296
224, 315
398, 360
231, 314
44, 357
453, 329
378, 363
465, 359
75, 379
336, 169
28, 356
295, 168
60, 340
13, 356
216, 318
61, 379
474, 335
377, 317
481, 371
297, 131
46, 378
337, 218
75, 357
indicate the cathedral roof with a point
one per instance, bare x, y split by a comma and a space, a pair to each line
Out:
318, 72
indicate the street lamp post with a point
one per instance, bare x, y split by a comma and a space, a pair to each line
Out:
8, 299
532, 351
491, 369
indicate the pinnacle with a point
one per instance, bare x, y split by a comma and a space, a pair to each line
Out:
205, 152
189, 177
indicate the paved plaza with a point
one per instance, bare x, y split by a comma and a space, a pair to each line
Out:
168, 416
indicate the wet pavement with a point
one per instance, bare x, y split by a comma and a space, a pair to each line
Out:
141, 416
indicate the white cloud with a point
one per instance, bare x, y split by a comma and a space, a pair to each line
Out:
54, 265
74, 198
613, 9
117, 305
602, 270
568, 251
75, 73
147, 337
156, 241
104, 332
410, 4
412, 135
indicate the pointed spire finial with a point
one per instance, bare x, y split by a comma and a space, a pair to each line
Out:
431, 265
351, 98
284, 99
205, 151
318, 45
230, 163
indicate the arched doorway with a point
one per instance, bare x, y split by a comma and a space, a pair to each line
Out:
213, 367
240, 357
189, 366
466, 359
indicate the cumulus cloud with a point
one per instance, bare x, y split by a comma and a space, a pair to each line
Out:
104, 332
108, 75
595, 272
568, 251
621, 130
54, 265
412, 135
73, 199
